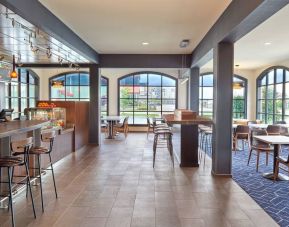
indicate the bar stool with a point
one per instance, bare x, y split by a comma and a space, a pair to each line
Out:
18, 148
164, 134
38, 151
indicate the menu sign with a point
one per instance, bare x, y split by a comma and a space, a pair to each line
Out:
4, 75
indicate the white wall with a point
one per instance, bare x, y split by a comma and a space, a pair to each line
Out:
113, 75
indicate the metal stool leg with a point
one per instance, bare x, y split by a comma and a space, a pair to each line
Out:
10, 194
40, 178
51, 166
29, 186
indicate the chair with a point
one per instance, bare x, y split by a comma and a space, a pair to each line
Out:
122, 126
165, 135
38, 152
18, 148
149, 126
273, 130
283, 161
259, 147
242, 133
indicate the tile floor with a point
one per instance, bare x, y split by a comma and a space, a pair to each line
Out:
115, 186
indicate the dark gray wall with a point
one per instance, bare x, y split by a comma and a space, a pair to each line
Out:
194, 89
2, 95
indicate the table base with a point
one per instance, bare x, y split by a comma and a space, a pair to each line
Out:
281, 177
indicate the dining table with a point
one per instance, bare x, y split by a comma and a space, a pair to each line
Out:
276, 141
111, 121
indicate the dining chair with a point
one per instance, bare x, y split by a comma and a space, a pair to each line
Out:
259, 147
281, 160
242, 133
122, 126
149, 126
273, 130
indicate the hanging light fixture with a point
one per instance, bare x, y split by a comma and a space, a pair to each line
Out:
238, 85
13, 73
57, 83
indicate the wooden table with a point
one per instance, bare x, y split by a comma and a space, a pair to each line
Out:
189, 138
277, 141
111, 120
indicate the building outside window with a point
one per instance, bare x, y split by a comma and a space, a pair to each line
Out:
22, 92
75, 87
146, 94
273, 95
206, 96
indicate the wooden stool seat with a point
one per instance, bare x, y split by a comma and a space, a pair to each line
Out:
9, 161
39, 150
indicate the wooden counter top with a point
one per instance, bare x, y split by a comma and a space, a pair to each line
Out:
170, 119
14, 127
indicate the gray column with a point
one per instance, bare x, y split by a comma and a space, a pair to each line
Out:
94, 107
223, 94
194, 89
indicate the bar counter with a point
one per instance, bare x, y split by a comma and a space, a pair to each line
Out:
186, 150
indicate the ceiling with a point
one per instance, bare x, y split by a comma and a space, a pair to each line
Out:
29, 44
120, 27
254, 51
266, 45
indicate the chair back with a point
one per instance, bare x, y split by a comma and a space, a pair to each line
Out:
256, 142
273, 130
149, 124
48, 136
283, 130
22, 146
242, 131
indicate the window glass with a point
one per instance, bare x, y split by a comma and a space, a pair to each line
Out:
272, 97
146, 95
22, 94
72, 79
84, 79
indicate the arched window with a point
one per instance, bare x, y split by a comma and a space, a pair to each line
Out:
75, 87
22, 92
206, 98
145, 94
104, 95
273, 95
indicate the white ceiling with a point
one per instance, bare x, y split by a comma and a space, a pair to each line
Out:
120, 26
251, 51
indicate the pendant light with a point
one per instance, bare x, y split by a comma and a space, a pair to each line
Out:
57, 83
13, 73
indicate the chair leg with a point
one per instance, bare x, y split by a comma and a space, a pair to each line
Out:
40, 179
29, 186
250, 154
171, 151
257, 163
267, 158
276, 170
10, 195
52, 170
154, 150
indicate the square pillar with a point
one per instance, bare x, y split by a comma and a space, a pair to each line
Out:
194, 89
94, 105
223, 95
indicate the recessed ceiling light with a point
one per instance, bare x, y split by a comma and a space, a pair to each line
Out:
145, 43
267, 43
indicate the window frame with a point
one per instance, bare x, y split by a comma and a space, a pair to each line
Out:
283, 99
107, 95
244, 80
147, 98
77, 99
9, 97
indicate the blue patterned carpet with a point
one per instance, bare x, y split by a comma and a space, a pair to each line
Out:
272, 196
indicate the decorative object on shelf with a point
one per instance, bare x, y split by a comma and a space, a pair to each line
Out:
13, 73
